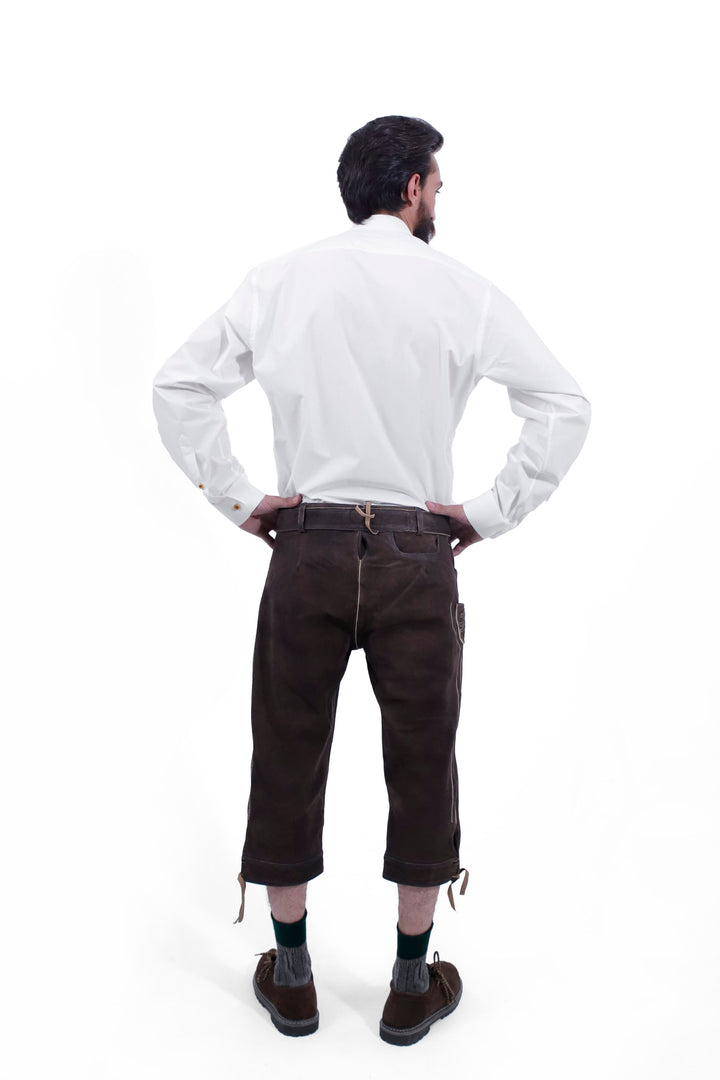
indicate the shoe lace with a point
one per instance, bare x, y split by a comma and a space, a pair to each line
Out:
268, 965
438, 975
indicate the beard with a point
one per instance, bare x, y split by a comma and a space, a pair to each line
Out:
425, 228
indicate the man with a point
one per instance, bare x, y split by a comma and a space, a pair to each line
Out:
368, 345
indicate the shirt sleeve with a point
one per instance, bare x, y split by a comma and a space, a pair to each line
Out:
214, 362
555, 411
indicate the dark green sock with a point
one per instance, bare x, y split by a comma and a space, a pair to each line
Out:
292, 966
410, 971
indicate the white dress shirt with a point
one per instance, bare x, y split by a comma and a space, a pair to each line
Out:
368, 344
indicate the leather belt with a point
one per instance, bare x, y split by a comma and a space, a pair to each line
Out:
376, 517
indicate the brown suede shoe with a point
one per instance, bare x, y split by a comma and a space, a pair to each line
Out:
293, 1009
407, 1016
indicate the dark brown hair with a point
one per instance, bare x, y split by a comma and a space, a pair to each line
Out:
379, 159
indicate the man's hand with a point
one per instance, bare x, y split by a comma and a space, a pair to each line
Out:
264, 516
460, 527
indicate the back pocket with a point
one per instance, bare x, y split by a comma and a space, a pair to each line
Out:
414, 544
460, 621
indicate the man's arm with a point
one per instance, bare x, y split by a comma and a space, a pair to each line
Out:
557, 417
188, 389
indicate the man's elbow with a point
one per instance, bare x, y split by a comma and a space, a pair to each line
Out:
577, 422
584, 410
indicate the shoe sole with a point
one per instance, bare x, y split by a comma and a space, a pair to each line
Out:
406, 1036
282, 1023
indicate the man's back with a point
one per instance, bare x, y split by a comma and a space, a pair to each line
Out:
368, 344
364, 345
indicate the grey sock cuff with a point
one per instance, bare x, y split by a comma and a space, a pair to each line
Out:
411, 976
292, 966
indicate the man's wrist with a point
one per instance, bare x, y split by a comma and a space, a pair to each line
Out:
238, 503
484, 515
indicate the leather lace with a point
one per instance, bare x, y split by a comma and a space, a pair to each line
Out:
462, 888
367, 516
268, 965
241, 879
455, 877
437, 974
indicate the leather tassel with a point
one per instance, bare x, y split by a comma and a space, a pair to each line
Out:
241, 879
463, 887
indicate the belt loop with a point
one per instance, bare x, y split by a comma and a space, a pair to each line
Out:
301, 516
418, 521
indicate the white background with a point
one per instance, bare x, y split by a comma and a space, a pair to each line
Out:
156, 152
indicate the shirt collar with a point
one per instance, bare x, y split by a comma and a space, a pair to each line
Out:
385, 222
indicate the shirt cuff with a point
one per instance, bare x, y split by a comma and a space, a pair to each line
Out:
238, 502
484, 515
